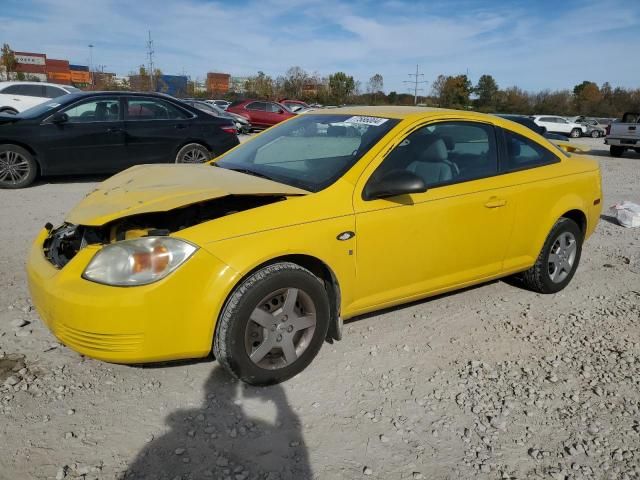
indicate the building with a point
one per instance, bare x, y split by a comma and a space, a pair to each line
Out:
80, 76
175, 85
238, 84
58, 71
31, 66
218, 83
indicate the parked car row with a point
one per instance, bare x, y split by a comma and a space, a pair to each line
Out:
105, 132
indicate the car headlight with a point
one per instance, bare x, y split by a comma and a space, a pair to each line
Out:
138, 262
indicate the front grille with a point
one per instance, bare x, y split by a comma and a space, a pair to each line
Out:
103, 342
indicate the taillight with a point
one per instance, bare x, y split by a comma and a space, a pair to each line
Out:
229, 129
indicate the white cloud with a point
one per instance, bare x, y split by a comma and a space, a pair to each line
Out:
559, 49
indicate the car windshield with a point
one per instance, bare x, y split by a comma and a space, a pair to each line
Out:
43, 108
311, 151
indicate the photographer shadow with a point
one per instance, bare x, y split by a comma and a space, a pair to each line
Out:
241, 432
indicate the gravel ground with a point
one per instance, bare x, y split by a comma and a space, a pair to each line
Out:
493, 382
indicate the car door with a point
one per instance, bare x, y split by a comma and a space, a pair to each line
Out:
90, 140
451, 235
155, 130
563, 125
257, 112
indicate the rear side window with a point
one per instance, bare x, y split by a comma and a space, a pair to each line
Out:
153, 109
53, 92
261, 106
523, 153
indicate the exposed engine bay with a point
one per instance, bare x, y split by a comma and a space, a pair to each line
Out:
64, 242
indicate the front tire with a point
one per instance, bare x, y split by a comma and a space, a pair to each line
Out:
575, 133
558, 260
193, 153
18, 168
595, 134
273, 324
616, 151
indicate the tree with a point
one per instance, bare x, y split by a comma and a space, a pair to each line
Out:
341, 86
587, 98
8, 60
392, 98
260, 86
513, 100
454, 91
487, 91
293, 82
376, 84
437, 88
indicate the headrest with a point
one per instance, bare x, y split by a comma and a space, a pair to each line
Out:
435, 152
448, 141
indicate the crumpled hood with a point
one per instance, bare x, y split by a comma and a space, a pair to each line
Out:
159, 188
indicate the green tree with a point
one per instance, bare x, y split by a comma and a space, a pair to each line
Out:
293, 82
487, 91
8, 60
260, 86
392, 98
341, 86
456, 92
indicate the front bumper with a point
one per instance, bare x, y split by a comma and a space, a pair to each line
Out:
167, 320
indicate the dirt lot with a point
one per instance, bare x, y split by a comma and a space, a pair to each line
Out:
493, 382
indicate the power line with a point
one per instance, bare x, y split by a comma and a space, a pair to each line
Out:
416, 81
150, 53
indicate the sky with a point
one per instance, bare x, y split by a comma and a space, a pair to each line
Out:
534, 44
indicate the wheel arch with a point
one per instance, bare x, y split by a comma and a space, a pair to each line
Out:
577, 216
316, 266
29, 149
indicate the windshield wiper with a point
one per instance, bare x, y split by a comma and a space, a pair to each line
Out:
252, 172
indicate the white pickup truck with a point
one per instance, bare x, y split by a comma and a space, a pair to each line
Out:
624, 134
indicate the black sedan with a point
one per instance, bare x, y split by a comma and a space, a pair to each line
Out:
105, 132
529, 123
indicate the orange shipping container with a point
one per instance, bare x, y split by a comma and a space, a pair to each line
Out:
80, 76
59, 77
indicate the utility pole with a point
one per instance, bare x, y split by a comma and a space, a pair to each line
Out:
90, 64
416, 81
150, 53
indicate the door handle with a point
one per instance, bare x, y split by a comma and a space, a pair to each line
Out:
495, 202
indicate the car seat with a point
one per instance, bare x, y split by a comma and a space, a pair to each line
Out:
432, 164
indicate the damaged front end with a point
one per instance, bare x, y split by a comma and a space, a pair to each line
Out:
65, 241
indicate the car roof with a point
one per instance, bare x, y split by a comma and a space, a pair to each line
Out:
7, 83
398, 112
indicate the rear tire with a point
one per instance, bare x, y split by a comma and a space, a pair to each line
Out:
193, 153
263, 339
595, 134
616, 151
18, 168
558, 260
575, 133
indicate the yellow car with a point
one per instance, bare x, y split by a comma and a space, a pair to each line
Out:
259, 255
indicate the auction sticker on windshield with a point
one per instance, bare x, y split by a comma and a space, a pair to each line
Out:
360, 120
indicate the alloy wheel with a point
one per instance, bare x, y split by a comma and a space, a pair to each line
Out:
14, 167
194, 155
280, 328
562, 256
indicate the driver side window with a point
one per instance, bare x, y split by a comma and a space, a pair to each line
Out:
445, 153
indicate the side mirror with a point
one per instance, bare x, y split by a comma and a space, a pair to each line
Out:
280, 111
60, 118
398, 182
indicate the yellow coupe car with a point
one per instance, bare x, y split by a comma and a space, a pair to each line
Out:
259, 255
